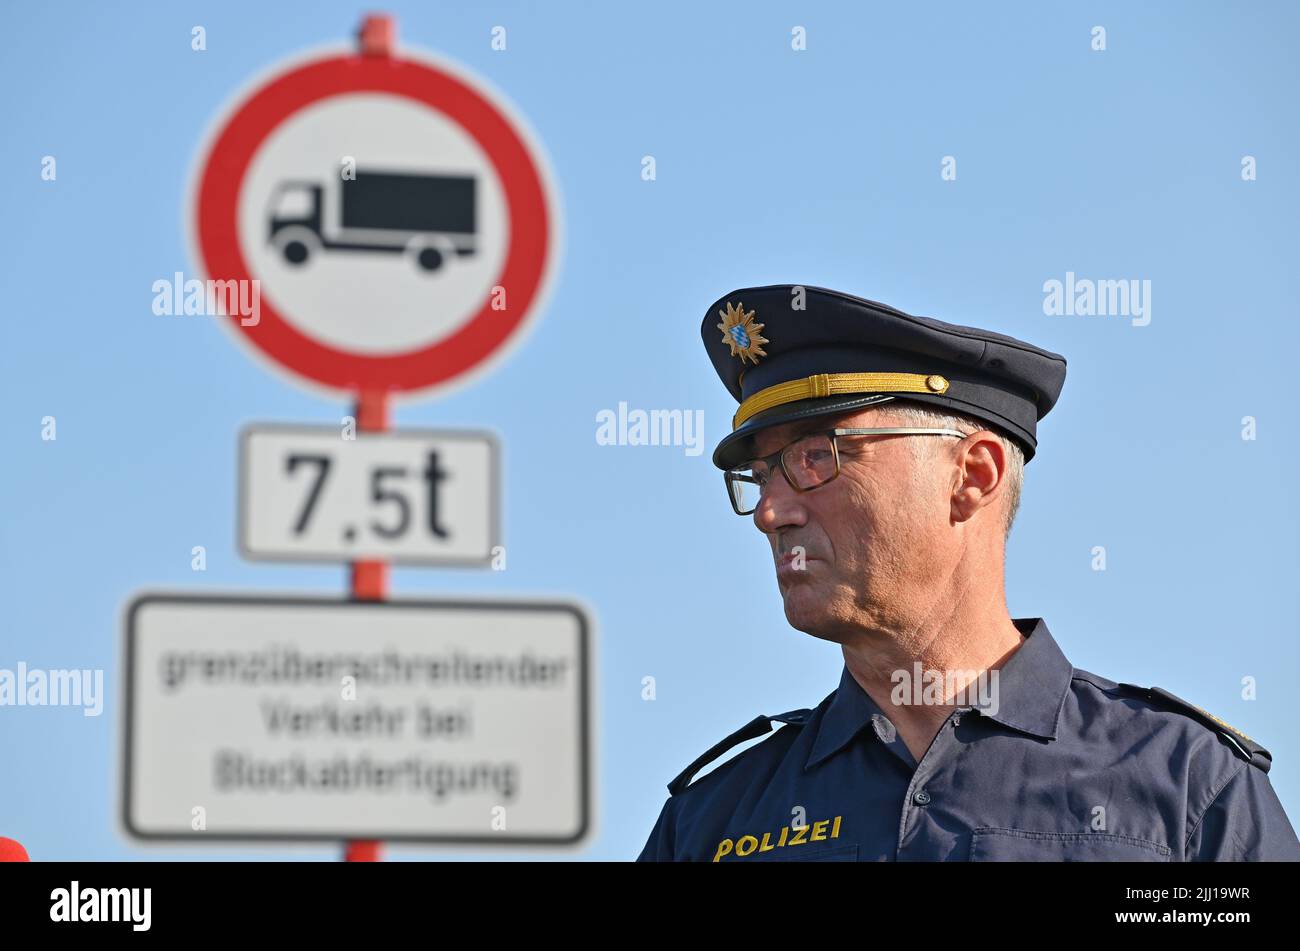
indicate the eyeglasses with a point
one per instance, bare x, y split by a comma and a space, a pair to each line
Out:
808, 462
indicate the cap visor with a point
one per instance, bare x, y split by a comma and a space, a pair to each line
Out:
737, 447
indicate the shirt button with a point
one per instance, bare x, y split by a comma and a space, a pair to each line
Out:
884, 729
921, 798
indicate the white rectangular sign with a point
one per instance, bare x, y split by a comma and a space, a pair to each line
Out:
407, 496
297, 718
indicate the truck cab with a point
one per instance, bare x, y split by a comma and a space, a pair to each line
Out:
295, 220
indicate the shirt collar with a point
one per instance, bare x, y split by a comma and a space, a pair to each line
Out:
849, 711
1032, 685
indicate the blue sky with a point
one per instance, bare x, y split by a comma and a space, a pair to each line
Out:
818, 167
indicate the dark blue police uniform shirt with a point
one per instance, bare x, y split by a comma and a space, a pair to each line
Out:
1071, 767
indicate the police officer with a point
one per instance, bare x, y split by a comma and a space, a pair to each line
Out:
881, 456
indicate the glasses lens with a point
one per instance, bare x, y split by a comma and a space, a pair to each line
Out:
745, 489
810, 462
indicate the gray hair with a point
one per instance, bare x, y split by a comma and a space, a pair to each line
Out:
917, 414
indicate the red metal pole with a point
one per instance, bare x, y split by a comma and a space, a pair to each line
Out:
376, 37
369, 581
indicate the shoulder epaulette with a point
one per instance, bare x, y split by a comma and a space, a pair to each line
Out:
755, 727
1251, 751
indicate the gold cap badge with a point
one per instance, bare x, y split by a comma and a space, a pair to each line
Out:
741, 332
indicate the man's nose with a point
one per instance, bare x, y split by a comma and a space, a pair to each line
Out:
779, 506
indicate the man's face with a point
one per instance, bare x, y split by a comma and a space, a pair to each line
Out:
865, 547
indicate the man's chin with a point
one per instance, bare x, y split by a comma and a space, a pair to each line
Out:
804, 610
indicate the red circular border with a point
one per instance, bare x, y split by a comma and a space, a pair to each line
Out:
232, 151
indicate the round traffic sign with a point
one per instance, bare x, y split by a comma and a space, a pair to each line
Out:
391, 218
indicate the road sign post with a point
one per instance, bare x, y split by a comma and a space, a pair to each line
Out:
369, 578
393, 224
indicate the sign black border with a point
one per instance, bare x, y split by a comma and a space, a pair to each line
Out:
584, 703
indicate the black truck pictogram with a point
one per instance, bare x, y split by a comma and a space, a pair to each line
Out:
432, 217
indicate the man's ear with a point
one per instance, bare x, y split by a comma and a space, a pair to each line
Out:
981, 471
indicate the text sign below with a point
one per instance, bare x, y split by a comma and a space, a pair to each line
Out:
408, 496
288, 718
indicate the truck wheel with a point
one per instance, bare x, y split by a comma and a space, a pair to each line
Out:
430, 259
295, 252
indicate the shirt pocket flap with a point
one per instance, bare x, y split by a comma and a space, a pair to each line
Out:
1019, 845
